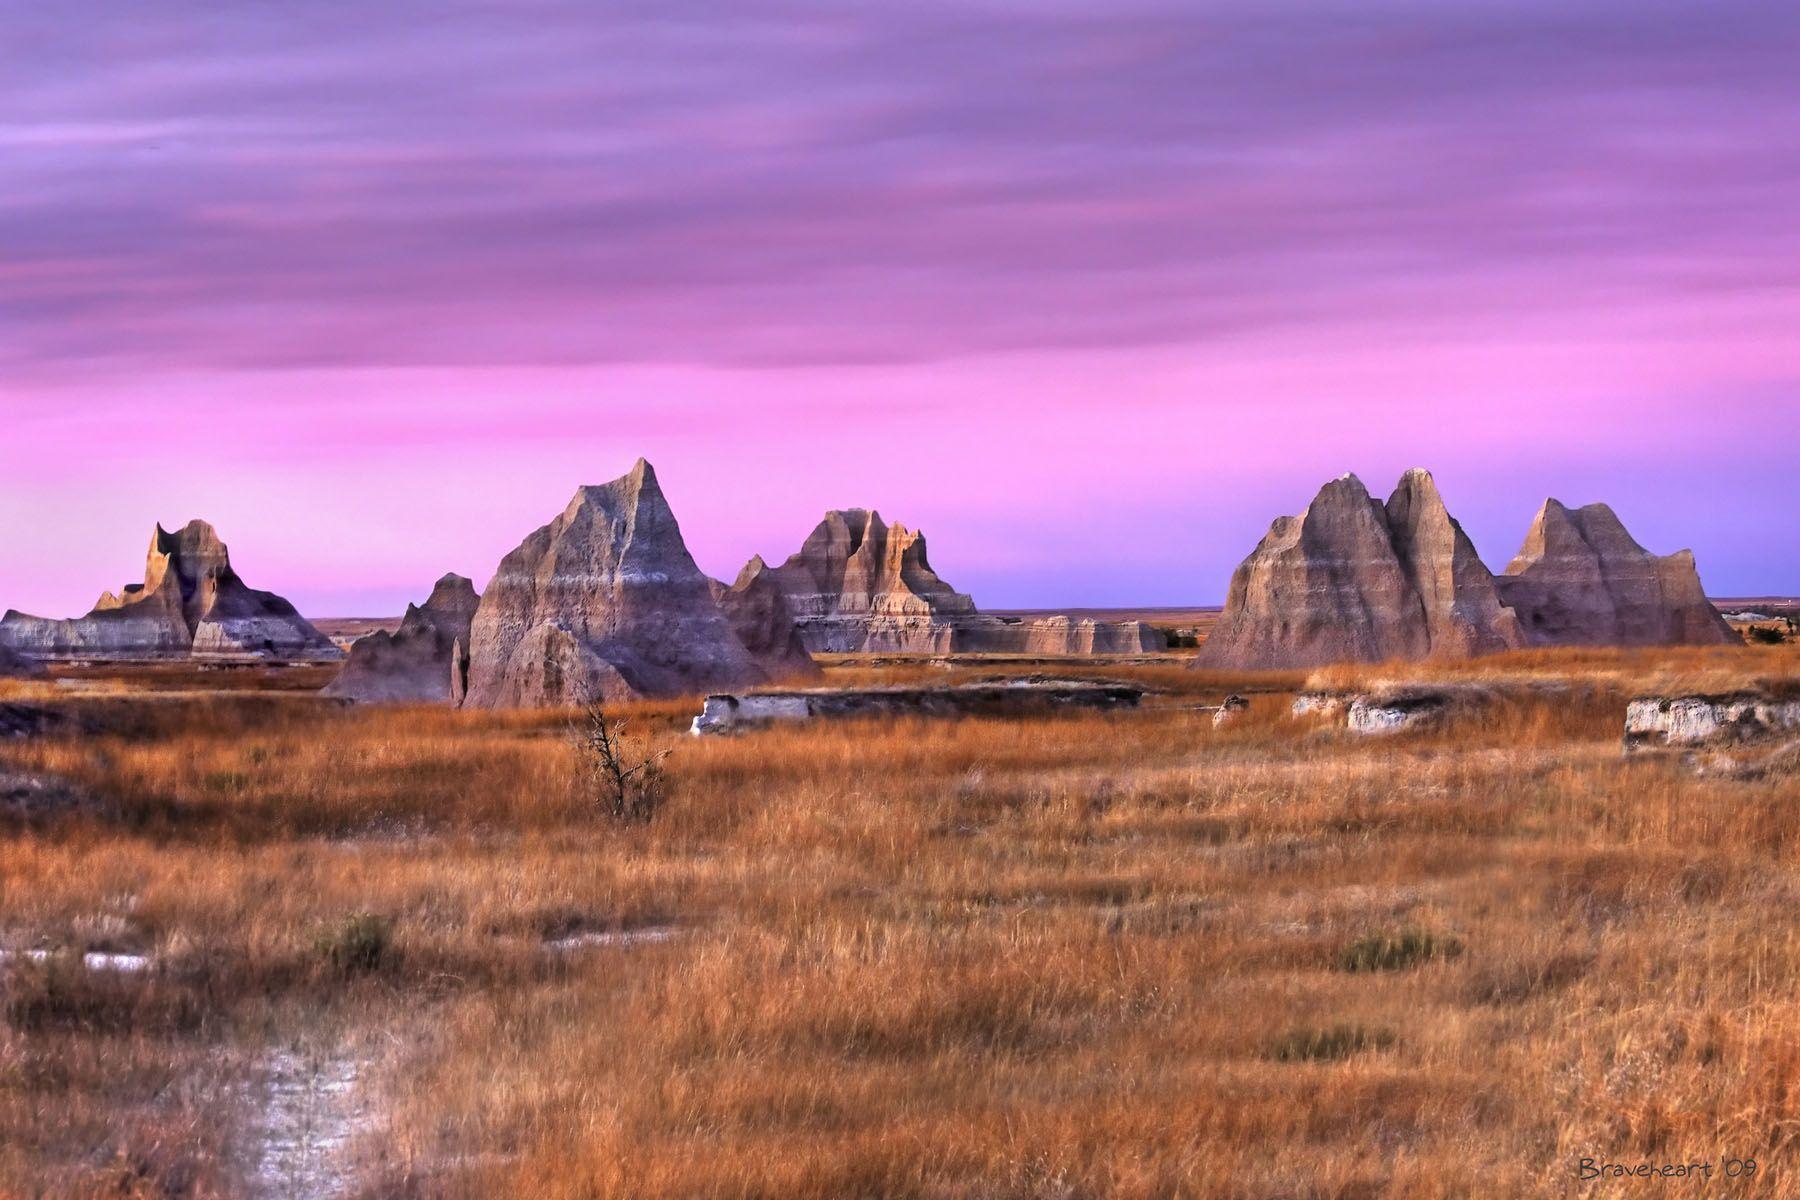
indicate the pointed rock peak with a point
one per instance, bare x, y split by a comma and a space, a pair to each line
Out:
1345, 485
1553, 510
1417, 481
453, 593
1416, 498
752, 570
635, 491
643, 475
859, 526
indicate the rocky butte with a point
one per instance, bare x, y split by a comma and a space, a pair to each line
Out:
1352, 579
191, 603
425, 661
859, 585
1580, 579
606, 603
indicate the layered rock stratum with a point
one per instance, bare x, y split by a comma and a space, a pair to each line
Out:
191, 603
1352, 579
604, 603
858, 585
424, 661
1084, 635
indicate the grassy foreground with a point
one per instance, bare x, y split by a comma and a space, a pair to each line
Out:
1082, 956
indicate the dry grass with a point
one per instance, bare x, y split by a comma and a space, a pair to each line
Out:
1082, 956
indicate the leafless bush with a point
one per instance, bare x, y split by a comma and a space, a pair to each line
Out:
627, 786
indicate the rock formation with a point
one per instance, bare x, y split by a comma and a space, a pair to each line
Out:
1394, 707
1581, 580
1342, 581
1066, 635
860, 586
13, 665
727, 713
190, 603
1457, 594
757, 609
1659, 721
425, 661
1354, 580
603, 603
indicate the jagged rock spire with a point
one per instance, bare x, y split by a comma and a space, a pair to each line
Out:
602, 603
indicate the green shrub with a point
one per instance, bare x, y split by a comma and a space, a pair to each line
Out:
1767, 635
360, 945
1396, 952
1330, 1044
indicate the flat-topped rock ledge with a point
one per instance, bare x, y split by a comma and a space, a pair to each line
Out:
728, 712
1653, 722
1392, 709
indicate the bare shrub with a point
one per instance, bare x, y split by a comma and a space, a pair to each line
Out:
627, 785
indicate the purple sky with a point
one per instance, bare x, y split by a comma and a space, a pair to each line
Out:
1090, 291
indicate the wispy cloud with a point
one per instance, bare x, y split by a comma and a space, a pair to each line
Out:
293, 264
345, 184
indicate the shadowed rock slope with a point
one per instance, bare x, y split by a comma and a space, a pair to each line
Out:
605, 602
1351, 579
757, 610
425, 661
858, 585
191, 603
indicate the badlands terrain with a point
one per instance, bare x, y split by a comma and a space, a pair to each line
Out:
1420, 880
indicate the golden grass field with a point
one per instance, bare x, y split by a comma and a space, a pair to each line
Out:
1077, 956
